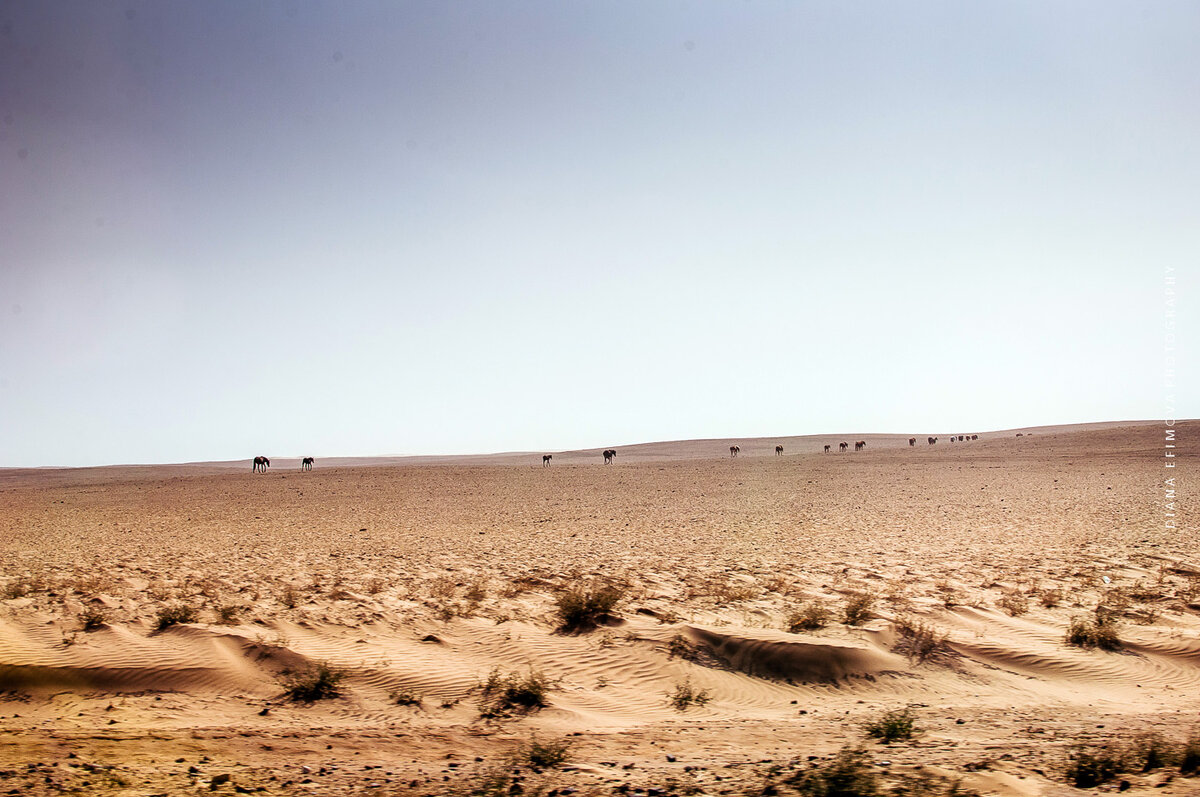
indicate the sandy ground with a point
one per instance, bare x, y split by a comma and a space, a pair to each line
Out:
424, 578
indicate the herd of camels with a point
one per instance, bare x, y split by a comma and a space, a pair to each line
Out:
262, 463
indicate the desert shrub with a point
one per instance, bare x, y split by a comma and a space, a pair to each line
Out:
1050, 597
681, 647
227, 614
1014, 604
1153, 751
289, 597
405, 698
809, 617
583, 609
318, 682
16, 589
545, 755
443, 587
892, 726
729, 591
504, 694
685, 695
375, 585
1101, 633
1189, 756
91, 620
919, 641
173, 615
849, 774
858, 608
476, 592
1087, 768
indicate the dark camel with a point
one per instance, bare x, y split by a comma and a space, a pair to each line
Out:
912, 441
609, 454
779, 451
307, 463
734, 450
546, 460
932, 440
842, 447
260, 465
826, 449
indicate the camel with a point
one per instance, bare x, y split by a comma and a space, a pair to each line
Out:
974, 437
733, 450
842, 447
912, 441
609, 454
307, 463
546, 460
932, 440
859, 445
779, 451
260, 464
826, 449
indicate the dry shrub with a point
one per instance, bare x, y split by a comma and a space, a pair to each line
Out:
919, 641
1050, 597
1100, 633
858, 607
375, 585
581, 609
809, 617
851, 773
91, 620
1014, 604
892, 726
545, 755
685, 695
227, 614
506, 694
476, 591
443, 587
289, 597
318, 682
173, 615
681, 647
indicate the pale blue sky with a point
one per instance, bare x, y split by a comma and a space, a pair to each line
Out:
334, 228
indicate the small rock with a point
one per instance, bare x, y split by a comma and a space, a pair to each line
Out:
670, 757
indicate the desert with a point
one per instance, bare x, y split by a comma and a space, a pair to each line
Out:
678, 622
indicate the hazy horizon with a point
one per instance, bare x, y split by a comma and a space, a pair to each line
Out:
434, 229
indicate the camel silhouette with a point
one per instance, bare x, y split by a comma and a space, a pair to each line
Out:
912, 441
307, 463
546, 460
842, 447
779, 451
733, 451
826, 449
609, 455
260, 465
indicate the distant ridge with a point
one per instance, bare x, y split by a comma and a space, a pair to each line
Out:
702, 448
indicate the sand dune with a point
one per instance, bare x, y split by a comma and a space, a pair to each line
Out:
425, 578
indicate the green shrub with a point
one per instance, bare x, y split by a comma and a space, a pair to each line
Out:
892, 726
584, 609
173, 615
318, 682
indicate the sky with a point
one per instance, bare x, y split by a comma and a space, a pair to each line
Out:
331, 228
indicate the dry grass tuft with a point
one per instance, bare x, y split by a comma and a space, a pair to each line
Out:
809, 617
318, 682
858, 607
685, 696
